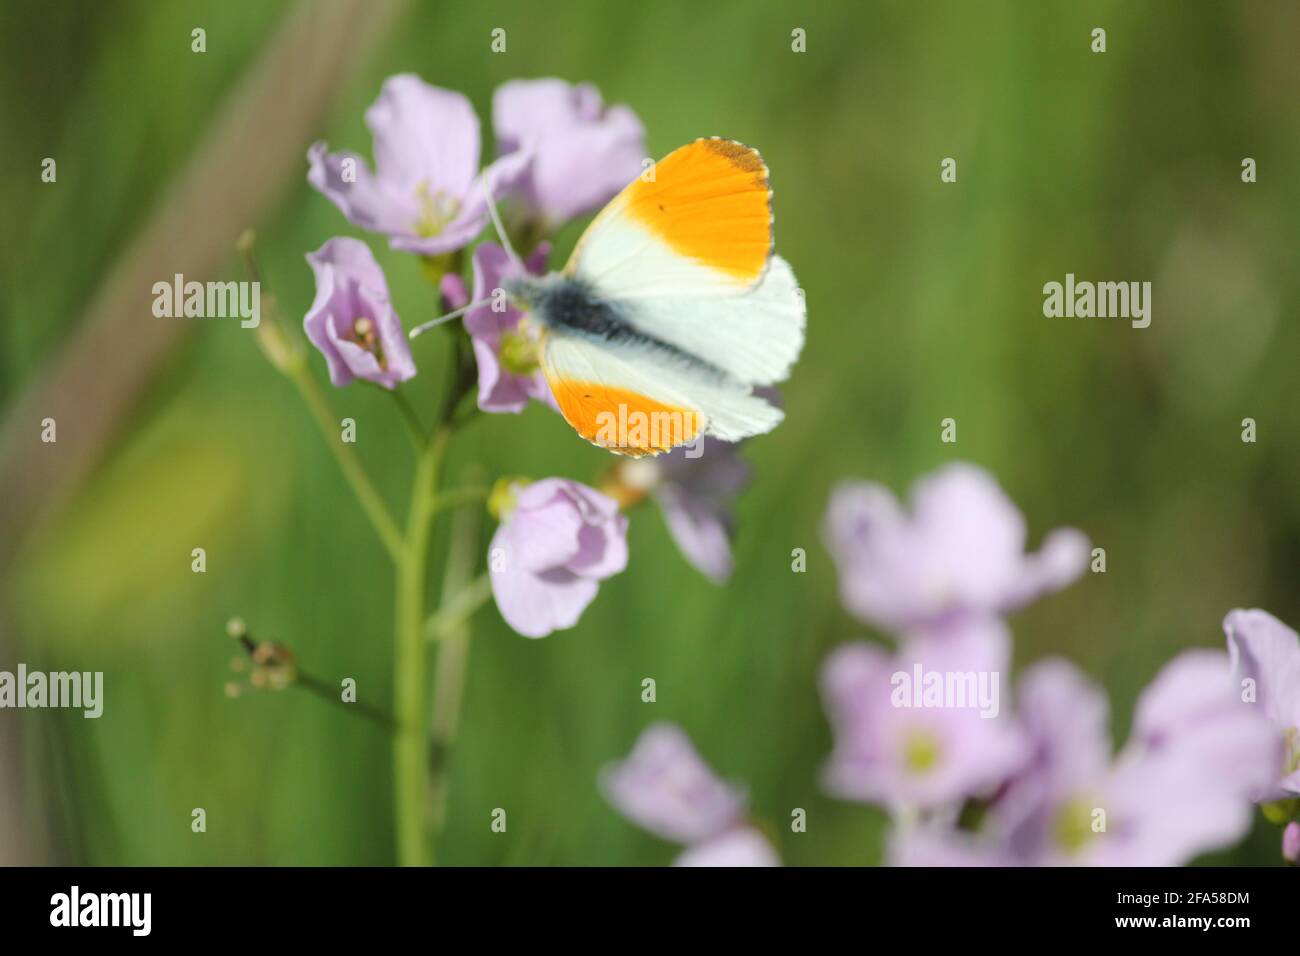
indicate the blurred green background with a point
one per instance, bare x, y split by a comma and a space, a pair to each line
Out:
924, 302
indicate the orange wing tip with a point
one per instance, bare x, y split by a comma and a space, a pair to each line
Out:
623, 421
709, 201
744, 158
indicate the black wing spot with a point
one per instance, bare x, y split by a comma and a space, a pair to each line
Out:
572, 305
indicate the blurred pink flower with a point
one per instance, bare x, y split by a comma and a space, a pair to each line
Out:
1194, 709
1181, 787
664, 786
352, 321
1266, 652
505, 348
556, 541
902, 738
583, 153
960, 553
425, 193
695, 495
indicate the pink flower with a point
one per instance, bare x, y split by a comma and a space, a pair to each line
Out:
695, 495
583, 153
1265, 656
959, 554
665, 787
505, 347
923, 727
352, 321
425, 193
1181, 787
557, 540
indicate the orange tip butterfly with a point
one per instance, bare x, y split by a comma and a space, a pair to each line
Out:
672, 308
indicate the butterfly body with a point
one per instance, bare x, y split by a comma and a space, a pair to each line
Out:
570, 306
672, 308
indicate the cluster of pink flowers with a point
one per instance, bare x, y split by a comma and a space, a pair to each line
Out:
1034, 783
968, 781
561, 154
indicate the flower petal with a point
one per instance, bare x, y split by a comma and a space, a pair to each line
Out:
1061, 560
583, 154
664, 786
1263, 649
425, 137
743, 846
535, 605
959, 554
700, 530
540, 537
973, 535
1193, 708
345, 179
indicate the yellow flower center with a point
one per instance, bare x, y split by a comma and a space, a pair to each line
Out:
1072, 828
921, 752
365, 335
519, 353
437, 210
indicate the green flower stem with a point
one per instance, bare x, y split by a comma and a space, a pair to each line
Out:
410, 664
459, 594
355, 473
414, 779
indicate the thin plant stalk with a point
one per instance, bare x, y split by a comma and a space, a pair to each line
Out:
372, 503
453, 661
410, 664
413, 783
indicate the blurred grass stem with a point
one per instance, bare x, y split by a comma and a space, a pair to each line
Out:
461, 596
355, 473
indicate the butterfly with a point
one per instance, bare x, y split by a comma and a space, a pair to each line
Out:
672, 307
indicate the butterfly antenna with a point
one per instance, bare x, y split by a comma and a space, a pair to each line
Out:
456, 314
501, 230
